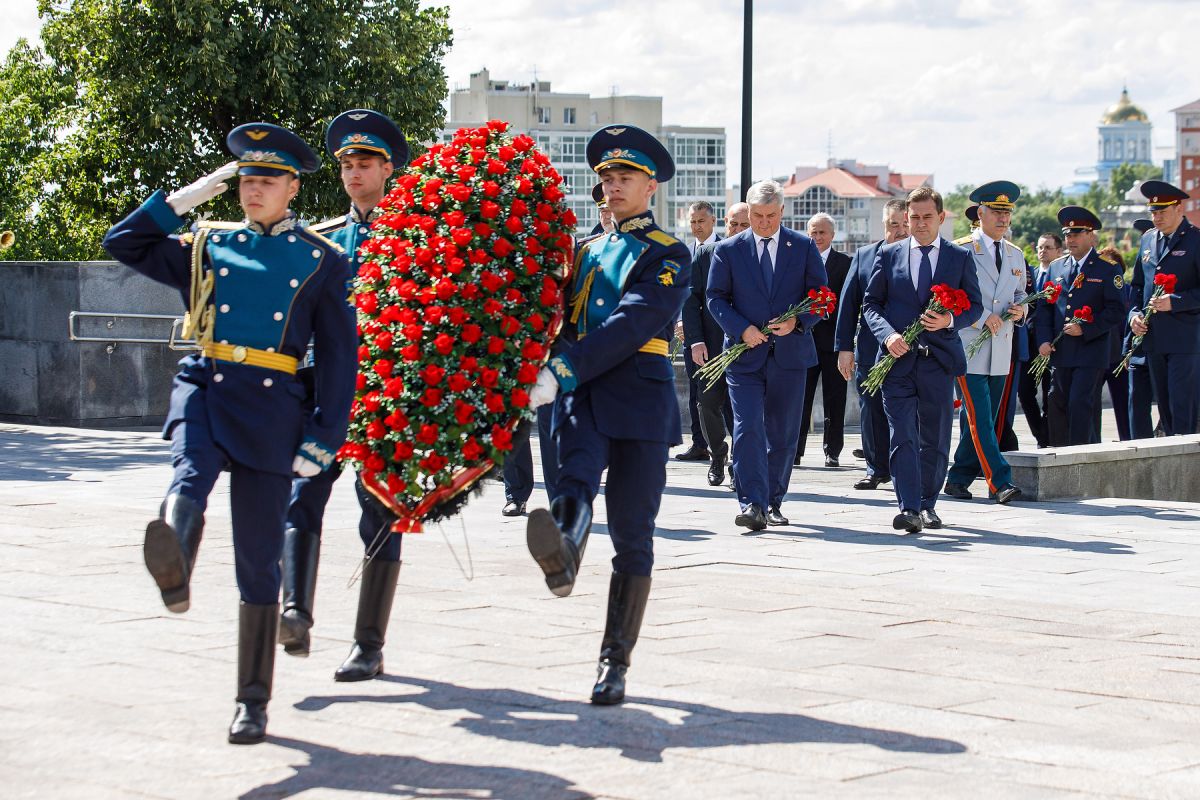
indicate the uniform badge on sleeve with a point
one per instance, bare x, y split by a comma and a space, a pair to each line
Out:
666, 275
1118, 281
350, 292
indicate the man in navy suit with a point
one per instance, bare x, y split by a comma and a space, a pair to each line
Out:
703, 222
756, 276
858, 349
918, 393
703, 338
1172, 342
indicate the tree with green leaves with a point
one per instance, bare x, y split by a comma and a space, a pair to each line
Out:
127, 96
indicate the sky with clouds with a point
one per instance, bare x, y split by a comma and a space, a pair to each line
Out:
970, 91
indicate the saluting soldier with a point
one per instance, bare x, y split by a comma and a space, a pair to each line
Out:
984, 390
1172, 343
1083, 353
615, 390
366, 146
257, 292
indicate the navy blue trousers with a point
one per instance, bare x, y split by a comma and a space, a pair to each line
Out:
766, 426
518, 467
873, 427
258, 503
695, 389
1176, 379
1141, 400
637, 474
920, 410
1074, 390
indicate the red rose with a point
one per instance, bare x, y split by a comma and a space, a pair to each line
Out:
395, 484
433, 314
492, 307
506, 152
509, 326
396, 420
471, 450
456, 315
519, 207
569, 219
444, 343
383, 368
525, 186
489, 209
459, 191
371, 401
384, 341
491, 189
453, 266
536, 322
432, 374
428, 434
465, 172
495, 167
471, 332
411, 352
360, 381
533, 246
431, 397
376, 430
493, 402
501, 439
413, 332
364, 352
461, 236
403, 451
513, 296
520, 398
373, 463
489, 377
502, 248
470, 291
393, 388
523, 143
514, 225
446, 288
490, 281
367, 303
430, 202
495, 345
458, 383
463, 413
527, 373
432, 185
532, 351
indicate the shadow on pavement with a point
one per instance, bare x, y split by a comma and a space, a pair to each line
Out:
948, 539
31, 455
642, 729
380, 774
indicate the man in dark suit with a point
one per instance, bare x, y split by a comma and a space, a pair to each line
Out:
703, 338
1083, 353
918, 393
754, 278
1172, 341
1049, 249
821, 229
858, 348
1141, 388
703, 222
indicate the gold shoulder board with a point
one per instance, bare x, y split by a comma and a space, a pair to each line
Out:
662, 237
336, 247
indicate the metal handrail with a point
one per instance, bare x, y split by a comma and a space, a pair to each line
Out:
173, 341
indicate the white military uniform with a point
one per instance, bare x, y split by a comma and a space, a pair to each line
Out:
1000, 289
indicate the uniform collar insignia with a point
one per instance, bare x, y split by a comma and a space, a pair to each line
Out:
640, 222
372, 215
284, 225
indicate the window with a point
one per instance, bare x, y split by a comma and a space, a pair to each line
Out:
698, 149
568, 116
797, 210
543, 115
574, 148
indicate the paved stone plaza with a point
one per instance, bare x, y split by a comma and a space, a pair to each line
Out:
1030, 651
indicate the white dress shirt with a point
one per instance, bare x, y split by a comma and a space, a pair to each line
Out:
914, 258
772, 248
697, 244
825, 254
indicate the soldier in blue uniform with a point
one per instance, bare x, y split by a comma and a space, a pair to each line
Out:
366, 146
257, 292
1172, 343
1079, 357
615, 391
1141, 388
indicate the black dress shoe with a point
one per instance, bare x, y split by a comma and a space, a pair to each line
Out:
775, 518
716, 472
513, 509
930, 519
871, 482
858, 453
908, 521
957, 490
751, 518
1006, 493
831, 461
693, 453
796, 461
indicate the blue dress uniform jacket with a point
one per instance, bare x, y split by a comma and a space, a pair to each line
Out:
348, 232
256, 414
628, 288
1098, 285
1178, 331
891, 303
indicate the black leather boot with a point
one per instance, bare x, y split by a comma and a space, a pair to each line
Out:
257, 629
557, 539
375, 597
301, 552
170, 549
627, 596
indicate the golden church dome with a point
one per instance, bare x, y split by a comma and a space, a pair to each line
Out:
1123, 111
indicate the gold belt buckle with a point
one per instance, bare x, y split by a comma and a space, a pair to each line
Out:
239, 354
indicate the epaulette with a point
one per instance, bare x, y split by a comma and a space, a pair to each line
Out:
337, 248
1107, 259
328, 225
217, 225
964, 239
1013, 246
662, 237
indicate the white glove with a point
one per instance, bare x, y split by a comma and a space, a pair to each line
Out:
544, 390
305, 468
185, 199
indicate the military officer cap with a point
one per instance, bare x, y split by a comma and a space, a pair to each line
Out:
972, 213
1160, 194
1077, 219
631, 147
598, 196
265, 149
1142, 225
361, 130
998, 195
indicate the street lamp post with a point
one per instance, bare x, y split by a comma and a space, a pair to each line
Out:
747, 93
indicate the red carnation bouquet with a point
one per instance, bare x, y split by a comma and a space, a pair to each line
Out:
1049, 293
459, 299
944, 299
1164, 283
821, 302
1038, 366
